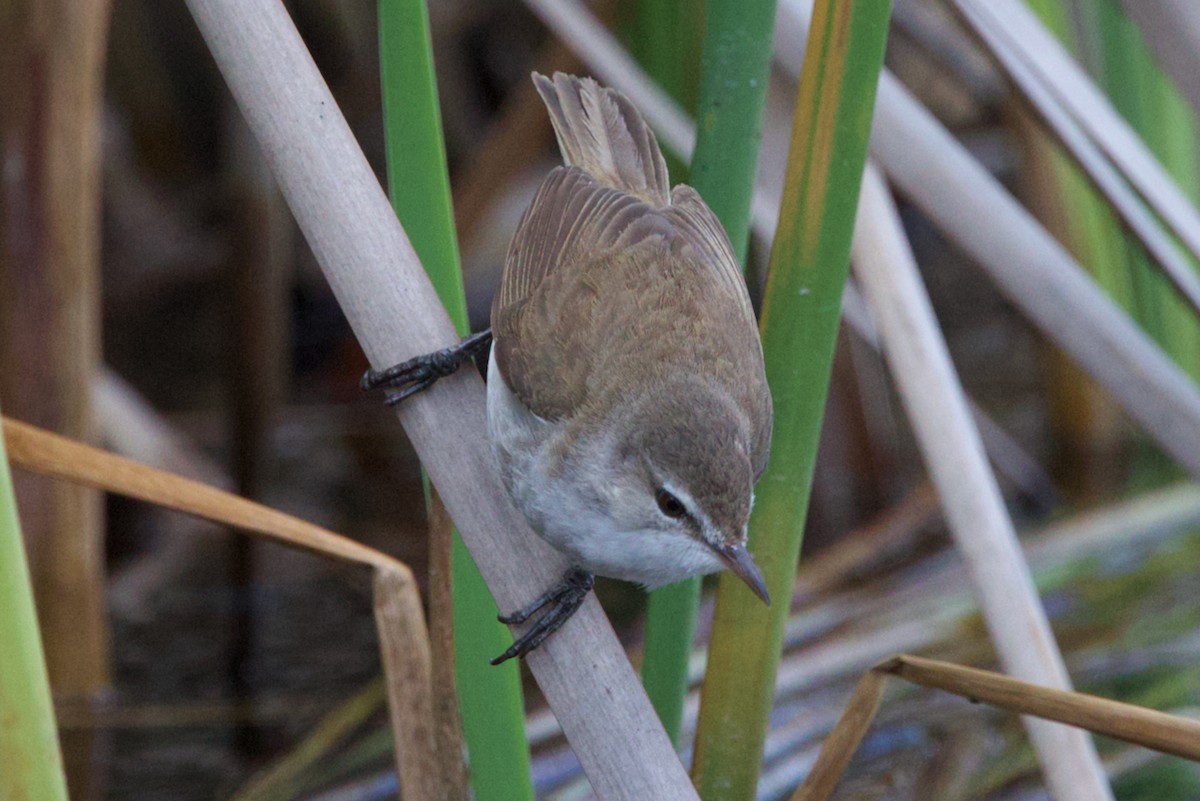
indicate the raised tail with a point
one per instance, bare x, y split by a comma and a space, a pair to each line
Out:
600, 132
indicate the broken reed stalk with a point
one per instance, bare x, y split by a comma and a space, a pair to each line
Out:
404, 647
1168, 734
388, 301
404, 641
937, 409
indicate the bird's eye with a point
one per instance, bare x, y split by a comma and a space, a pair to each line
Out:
669, 505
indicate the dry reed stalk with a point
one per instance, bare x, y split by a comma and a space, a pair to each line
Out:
1168, 734
40, 451
843, 741
1090, 107
395, 313
1009, 32
404, 641
920, 364
259, 273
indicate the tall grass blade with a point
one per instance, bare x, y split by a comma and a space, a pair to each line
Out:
801, 309
418, 181
30, 758
733, 85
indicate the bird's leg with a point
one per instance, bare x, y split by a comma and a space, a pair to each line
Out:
563, 599
419, 372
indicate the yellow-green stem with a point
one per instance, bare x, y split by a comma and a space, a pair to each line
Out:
801, 307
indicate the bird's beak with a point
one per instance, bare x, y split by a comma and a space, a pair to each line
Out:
741, 563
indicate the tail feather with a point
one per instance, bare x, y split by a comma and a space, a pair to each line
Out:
600, 132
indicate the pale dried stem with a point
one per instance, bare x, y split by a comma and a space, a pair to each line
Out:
843, 741
920, 364
50, 326
395, 314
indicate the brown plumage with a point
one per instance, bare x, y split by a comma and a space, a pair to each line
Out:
613, 287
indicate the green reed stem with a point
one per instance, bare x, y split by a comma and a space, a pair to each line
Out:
418, 181
808, 269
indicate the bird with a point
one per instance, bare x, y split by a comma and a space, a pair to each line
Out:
627, 401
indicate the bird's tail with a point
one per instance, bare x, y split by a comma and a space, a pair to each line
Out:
600, 132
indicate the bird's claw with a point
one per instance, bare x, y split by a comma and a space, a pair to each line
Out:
564, 599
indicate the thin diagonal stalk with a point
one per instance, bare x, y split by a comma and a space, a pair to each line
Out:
735, 68
419, 186
1065, 82
29, 749
933, 399
801, 310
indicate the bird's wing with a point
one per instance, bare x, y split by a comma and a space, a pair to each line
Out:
595, 276
544, 308
695, 224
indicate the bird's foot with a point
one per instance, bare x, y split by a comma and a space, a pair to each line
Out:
563, 600
418, 373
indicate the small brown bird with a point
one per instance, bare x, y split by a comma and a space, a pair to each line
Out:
627, 403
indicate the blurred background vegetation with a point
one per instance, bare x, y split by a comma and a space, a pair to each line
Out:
207, 342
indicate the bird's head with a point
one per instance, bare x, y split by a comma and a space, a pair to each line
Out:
681, 475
